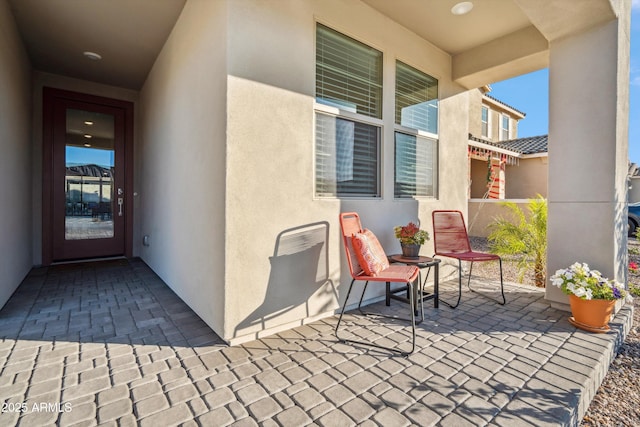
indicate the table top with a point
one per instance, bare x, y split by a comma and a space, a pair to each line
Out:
421, 260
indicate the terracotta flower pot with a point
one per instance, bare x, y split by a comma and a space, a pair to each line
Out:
591, 315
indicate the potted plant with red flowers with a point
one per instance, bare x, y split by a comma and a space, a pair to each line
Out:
411, 238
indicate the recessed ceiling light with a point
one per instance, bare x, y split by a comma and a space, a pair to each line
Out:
88, 122
86, 135
462, 8
92, 55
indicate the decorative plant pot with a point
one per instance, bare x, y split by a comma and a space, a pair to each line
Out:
591, 315
410, 251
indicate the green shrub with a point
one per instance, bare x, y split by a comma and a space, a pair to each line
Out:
525, 237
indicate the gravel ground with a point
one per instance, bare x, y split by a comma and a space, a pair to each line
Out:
617, 402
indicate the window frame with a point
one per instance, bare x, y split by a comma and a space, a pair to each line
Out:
502, 128
333, 109
488, 122
417, 133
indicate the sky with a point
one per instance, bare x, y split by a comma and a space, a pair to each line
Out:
529, 93
81, 155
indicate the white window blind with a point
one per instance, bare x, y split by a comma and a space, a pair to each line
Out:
416, 99
348, 73
415, 166
347, 157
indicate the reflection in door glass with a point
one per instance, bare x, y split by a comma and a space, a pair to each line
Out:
89, 177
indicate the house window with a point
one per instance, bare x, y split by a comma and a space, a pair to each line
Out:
416, 143
415, 166
504, 134
348, 73
416, 99
348, 113
485, 122
347, 157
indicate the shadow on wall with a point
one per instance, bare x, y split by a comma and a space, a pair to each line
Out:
299, 286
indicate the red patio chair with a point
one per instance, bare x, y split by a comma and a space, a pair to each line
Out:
352, 231
450, 239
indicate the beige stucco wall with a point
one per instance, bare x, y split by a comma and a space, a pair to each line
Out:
182, 127
483, 212
475, 113
589, 186
15, 160
270, 161
478, 178
527, 179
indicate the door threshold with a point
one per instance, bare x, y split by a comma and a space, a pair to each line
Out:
83, 260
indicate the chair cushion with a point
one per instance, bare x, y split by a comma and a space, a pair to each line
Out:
369, 252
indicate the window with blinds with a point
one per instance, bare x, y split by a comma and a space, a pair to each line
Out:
416, 99
416, 156
415, 166
349, 77
348, 73
347, 158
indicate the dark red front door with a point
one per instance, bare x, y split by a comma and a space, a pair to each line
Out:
87, 189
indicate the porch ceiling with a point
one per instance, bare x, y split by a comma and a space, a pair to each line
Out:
128, 34
498, 39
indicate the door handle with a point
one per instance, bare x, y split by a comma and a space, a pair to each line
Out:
120, 203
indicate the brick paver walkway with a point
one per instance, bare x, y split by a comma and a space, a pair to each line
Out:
110, 344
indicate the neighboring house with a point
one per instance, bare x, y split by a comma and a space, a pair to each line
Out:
519, 168
519, 173
242, 128
501, 165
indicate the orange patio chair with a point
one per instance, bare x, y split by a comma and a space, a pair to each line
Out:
368, 262
450, 239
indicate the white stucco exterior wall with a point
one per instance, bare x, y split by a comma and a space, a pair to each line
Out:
588, 131
15, 160
182, 149
270, 161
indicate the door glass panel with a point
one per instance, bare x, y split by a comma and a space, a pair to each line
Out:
89, 177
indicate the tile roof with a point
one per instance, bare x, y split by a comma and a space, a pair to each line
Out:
504, 103
528, 145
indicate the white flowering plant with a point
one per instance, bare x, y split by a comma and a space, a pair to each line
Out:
588, 284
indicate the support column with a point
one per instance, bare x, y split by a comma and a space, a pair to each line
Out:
588, 160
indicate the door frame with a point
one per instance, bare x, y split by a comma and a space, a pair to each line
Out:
49, 97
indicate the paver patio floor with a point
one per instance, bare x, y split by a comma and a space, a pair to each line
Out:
108, 343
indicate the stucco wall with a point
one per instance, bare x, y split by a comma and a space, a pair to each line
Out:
182, 160
527, 179
483, 212
478, 178
15, 160
589, 186
285, 258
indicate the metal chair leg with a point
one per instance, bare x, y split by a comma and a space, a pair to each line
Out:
504, 300
362, 296
459, 286
344, 306
371, 344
